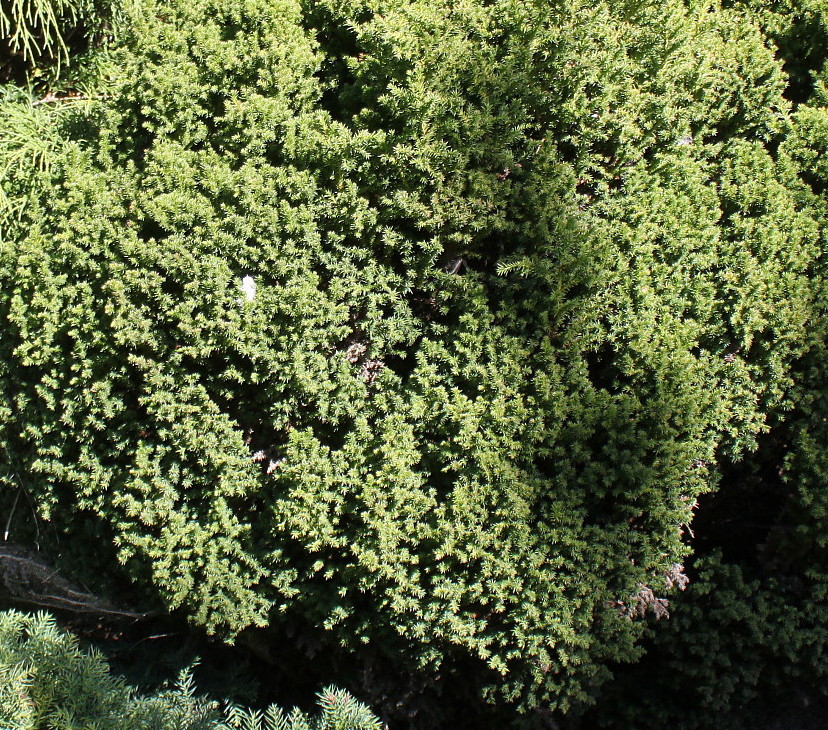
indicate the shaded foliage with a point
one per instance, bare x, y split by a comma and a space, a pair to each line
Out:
37, 36
748, 639
48, 683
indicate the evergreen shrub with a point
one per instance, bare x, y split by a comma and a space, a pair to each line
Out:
417, 327
48, 683
37, 34
748, 639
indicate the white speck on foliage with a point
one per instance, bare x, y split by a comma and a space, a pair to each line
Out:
248, 286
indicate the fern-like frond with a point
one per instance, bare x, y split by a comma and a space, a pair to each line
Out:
32, 27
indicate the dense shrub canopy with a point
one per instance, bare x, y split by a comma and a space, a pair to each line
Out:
421, 324
748, 639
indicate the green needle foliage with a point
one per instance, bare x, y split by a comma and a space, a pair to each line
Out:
748, 638
339, 711
35, 34
31, 27
48, 683
415, 326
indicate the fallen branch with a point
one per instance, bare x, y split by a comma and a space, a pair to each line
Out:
28, 580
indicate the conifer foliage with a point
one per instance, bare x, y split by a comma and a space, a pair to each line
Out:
419, 324
748, 638
48, 683
38, 33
